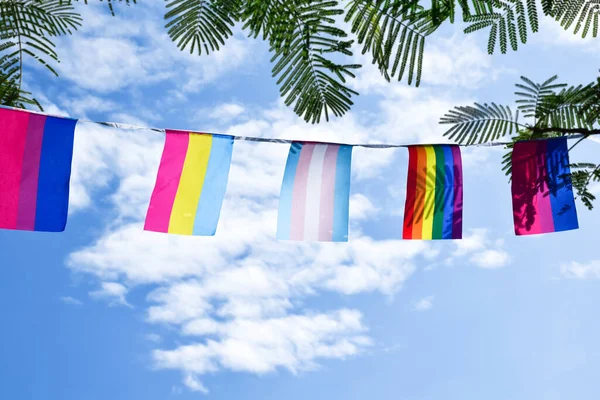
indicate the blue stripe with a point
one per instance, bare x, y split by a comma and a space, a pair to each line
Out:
561, 189
284, 216
215, 184
341, 202
55, 173
448, 192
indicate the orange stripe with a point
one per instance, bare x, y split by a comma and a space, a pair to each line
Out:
417, 231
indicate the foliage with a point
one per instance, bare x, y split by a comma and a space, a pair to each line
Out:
312, 47
551, 109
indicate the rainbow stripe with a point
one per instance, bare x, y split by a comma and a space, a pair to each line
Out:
315, 194
434, 193
542, 192
35, 169
191, 182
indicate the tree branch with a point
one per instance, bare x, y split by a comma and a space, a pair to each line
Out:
566, 131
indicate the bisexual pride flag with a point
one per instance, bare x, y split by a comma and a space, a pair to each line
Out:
191, 182
35, 168
434, 193
542, 192
315, 194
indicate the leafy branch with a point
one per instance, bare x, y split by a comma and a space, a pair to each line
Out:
553, 109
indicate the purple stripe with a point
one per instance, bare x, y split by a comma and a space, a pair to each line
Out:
458, 194
30, 172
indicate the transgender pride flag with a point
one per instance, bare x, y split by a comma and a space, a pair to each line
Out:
315, 194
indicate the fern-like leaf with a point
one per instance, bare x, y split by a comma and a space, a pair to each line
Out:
480, 123
201, 25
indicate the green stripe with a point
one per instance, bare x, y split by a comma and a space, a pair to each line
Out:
440, 179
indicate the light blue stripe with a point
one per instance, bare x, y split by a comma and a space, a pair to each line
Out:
215, 184
284, 217
341, 203
448, 197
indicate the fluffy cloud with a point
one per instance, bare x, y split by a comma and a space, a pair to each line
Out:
424, 304
581, 271
113, 292
292, 342
483, 252
132, 49
71, 301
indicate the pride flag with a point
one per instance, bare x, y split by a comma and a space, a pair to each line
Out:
191, 182
542, 193
35, 168
315, 194
434, 193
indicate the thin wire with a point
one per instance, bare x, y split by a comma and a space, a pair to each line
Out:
119, 125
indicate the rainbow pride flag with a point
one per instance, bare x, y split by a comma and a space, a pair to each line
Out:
434, 193
191, 182
35, 169
315, 194
542, 192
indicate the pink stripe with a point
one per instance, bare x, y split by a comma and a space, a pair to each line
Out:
299, 192
525, 177
13, 132
328, 193
167, 181
31, 170
544, 207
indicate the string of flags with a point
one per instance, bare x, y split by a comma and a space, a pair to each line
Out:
36, 152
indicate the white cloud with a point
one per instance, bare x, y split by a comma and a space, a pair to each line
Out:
361, 207
491, 258
192, 383
71, 301
153, 337
293, 342
112, 292
581, 271
424, 304
473, 241
226, 112
483, 252
132, 50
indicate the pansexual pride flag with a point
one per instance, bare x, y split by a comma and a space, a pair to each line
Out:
315, 194
191, 183
35, 169
542, 193
434, 193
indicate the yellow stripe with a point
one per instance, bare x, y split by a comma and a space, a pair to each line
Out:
190, 185
429, 194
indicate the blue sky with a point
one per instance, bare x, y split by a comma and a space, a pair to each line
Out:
108, 311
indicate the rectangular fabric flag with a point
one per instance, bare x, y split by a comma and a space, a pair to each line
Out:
542, 192
434, 193
191, 182
315, 194
35, 169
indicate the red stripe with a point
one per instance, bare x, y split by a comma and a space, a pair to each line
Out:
411, 193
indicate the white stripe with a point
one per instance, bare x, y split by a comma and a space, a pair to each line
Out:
313, 193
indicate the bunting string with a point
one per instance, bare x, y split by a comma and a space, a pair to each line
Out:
120, 125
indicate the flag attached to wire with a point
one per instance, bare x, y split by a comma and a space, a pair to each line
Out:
434, 193
191, 182
315, 194
35, 169
542, 192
